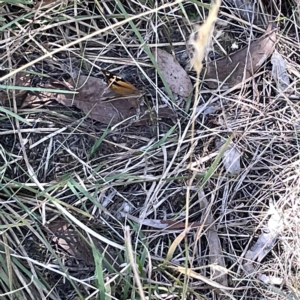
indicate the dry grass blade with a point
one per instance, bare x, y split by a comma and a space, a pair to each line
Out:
248, 11
133, 263
202, 36
195, 214
202, 278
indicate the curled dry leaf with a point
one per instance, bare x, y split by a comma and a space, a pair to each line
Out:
268, 238
242, 64
175, 76
95, 98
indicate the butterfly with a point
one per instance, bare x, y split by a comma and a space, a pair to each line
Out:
119, 85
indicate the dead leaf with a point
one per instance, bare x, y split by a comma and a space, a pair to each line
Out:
266, 240
216, 256
71, 240
92, 99
33, 98
242, 64
176, 77
95, 98
65, 236
231, 157
176, 243
279, 72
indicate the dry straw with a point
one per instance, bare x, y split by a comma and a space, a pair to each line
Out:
202, 36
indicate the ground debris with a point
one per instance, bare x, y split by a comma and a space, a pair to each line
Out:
239, 66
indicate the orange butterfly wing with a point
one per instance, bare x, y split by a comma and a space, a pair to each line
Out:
119, 85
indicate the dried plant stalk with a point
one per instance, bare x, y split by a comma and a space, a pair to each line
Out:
202, 36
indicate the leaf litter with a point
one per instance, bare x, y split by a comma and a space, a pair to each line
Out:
256, 124
74, 241
231, 157
264, 244
174, 74
279, 72
241, 65
95, 98
216, 257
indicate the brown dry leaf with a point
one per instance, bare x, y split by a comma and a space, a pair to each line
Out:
33, 99
267, 239
176, 77
264, 245
70, 240
96, 98
241, 64
92, 99
176, 243
65, 236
